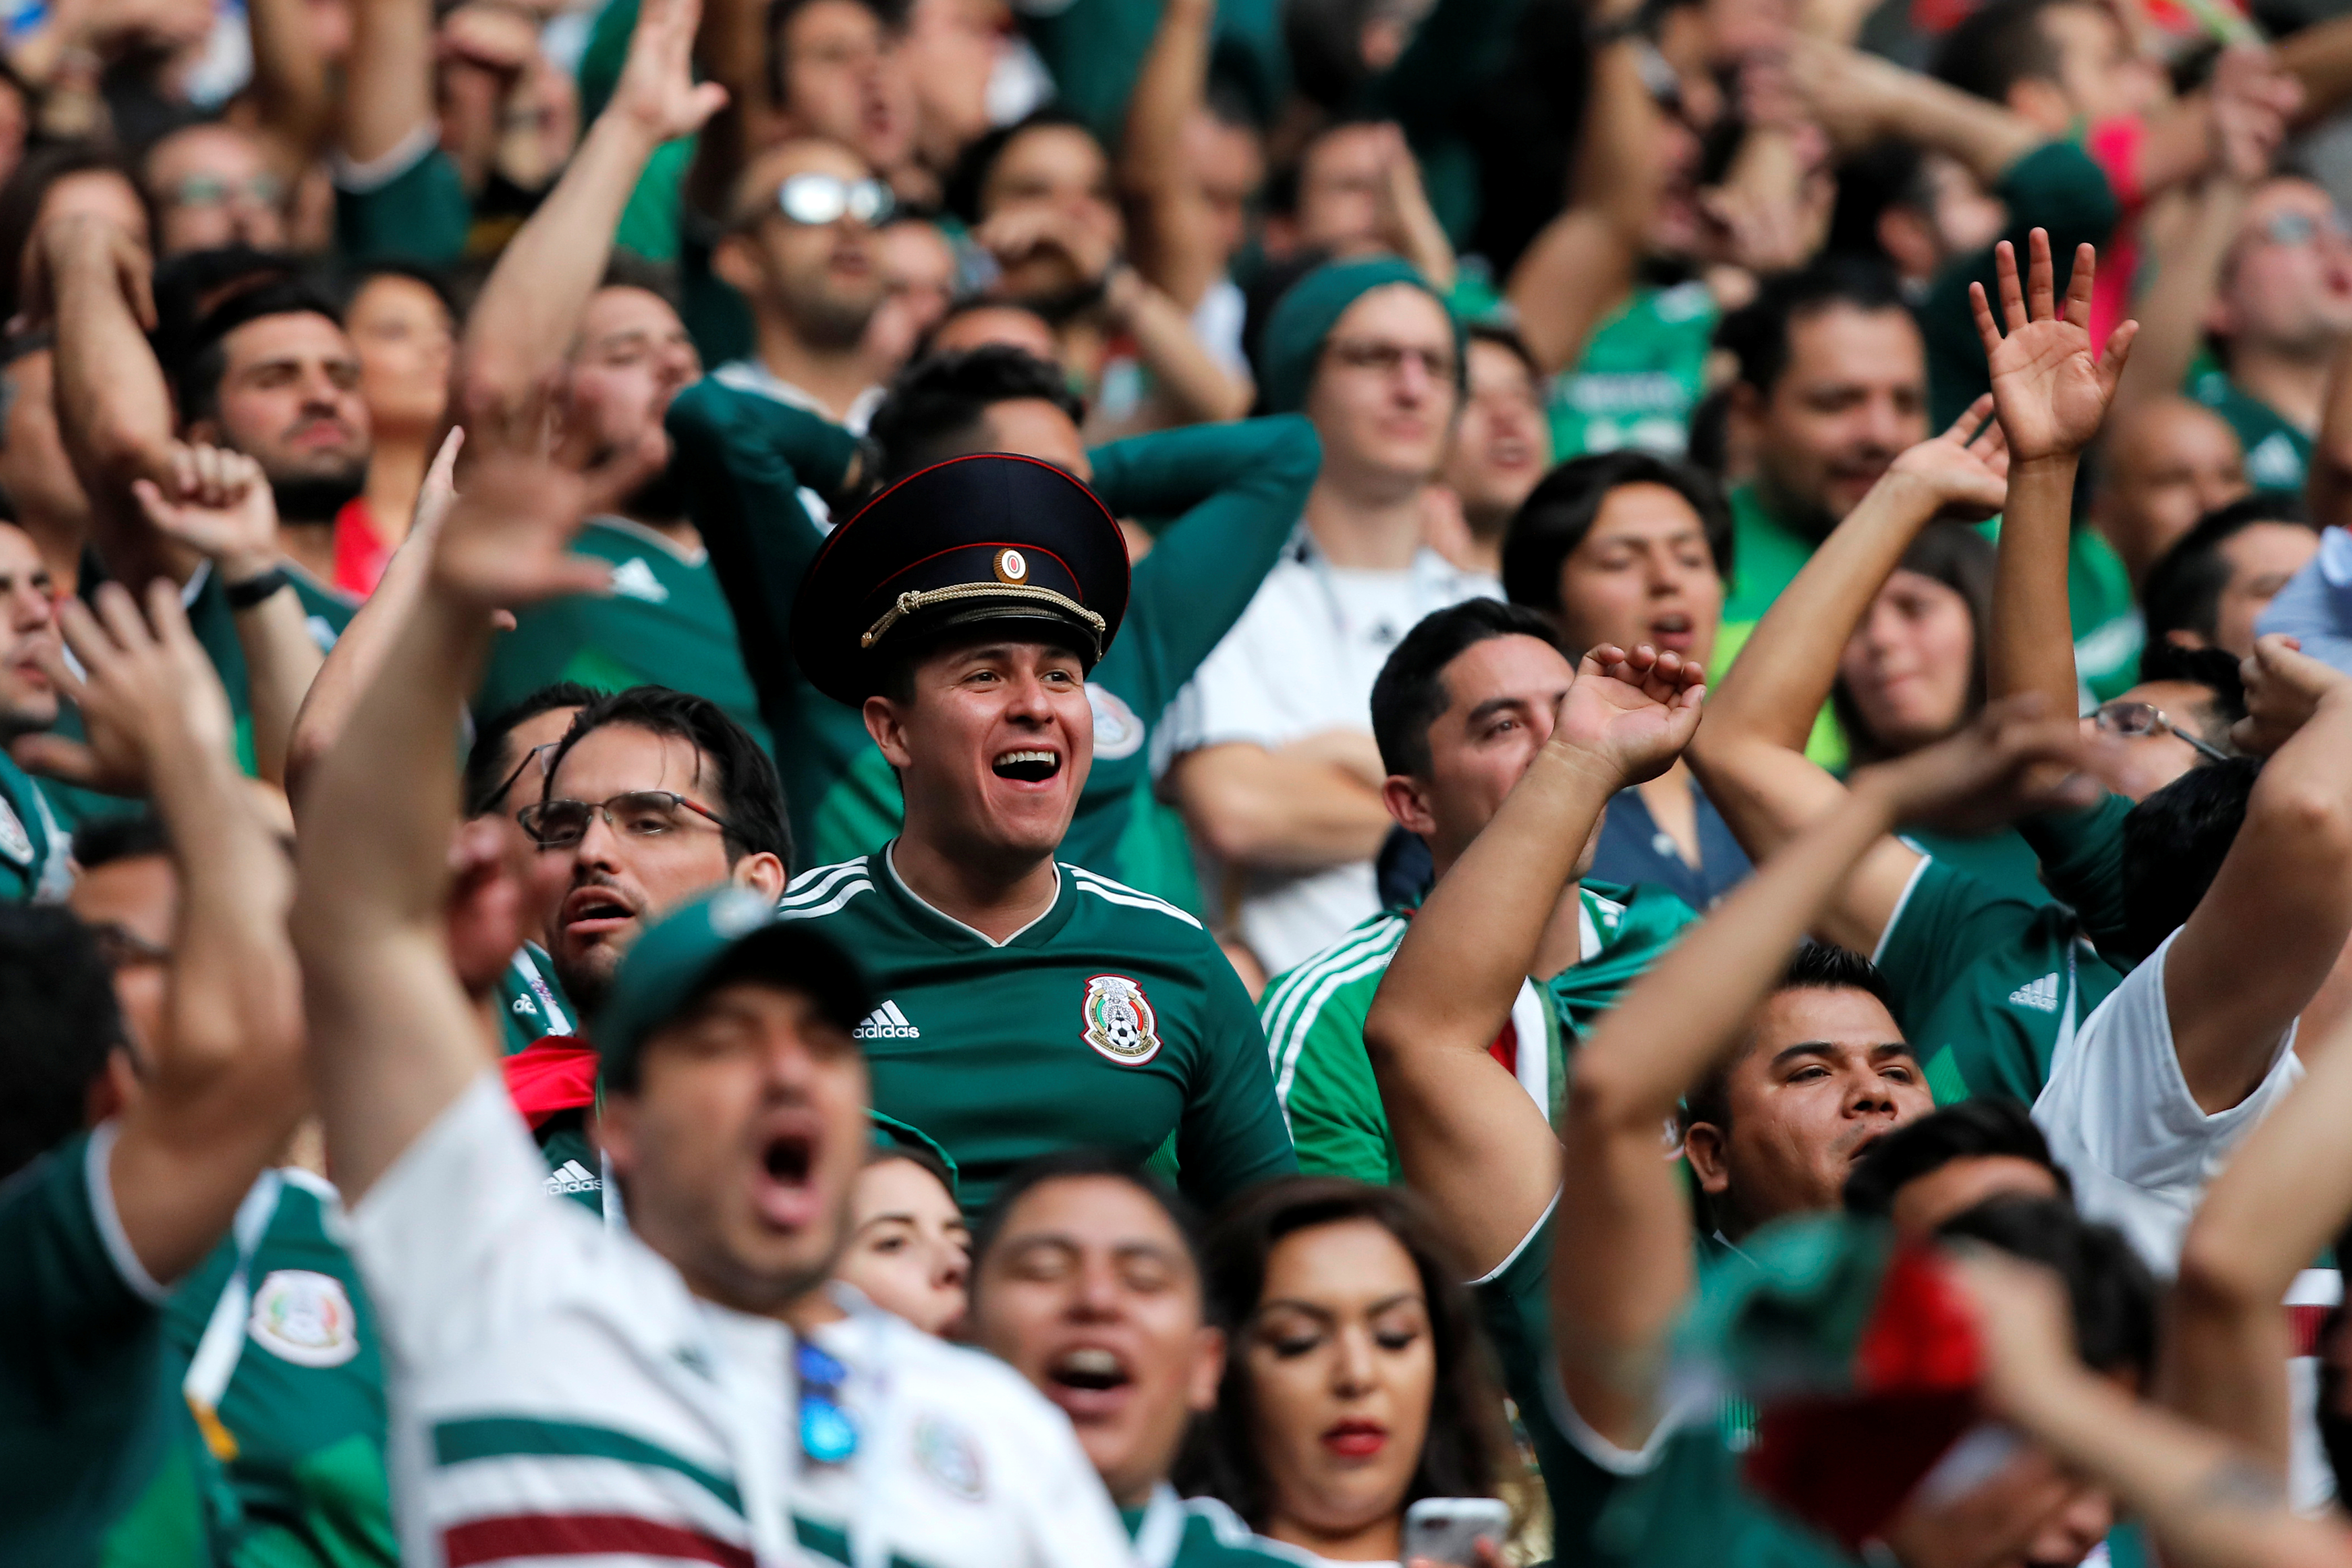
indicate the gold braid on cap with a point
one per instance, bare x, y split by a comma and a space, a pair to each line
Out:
914, 599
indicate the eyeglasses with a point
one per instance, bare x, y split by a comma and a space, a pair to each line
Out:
2134, 719
122, 948
828, 1436
211, 191
536, 754
814, 199
639, 814
1387, 359
2302, 228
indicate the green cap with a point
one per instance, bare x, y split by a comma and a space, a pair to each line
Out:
731, 934
1311, 306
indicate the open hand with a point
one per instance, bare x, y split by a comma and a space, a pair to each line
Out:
2250, 100
658, 90
219, 505
2050, 393
150, 699
1634, 710
2009, 762
2283, 688
1968, 472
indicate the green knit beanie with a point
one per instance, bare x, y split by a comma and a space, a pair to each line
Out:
1311, 306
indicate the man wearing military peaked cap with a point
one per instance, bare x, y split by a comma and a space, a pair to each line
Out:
989, 539
1021, 1006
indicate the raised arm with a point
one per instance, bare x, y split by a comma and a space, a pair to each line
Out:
1622, 1252
732, 48
290, 83
1581, 263
1860, 98
1751, 752
530, 310
2211, 1503
1467, 1136
114, 412
2052, 394
2285, 1195
396, 1039
388, 78
2254, 950
224, 1090
1173, 240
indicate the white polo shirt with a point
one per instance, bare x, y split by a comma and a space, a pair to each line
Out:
1301, 661
556, 1393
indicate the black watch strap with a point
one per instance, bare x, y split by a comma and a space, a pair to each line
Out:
253, 590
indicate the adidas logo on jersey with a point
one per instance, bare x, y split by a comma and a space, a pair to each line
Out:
886, 1023
633, 578
2042, 994
572, 1176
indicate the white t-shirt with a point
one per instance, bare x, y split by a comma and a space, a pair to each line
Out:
2120, 1119
556, 1393
1301, 661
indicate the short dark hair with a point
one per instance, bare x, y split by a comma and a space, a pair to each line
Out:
2174, 843
1088, 1164
1506, 338
487, 764
1757, 334
357, 274
2214, 669
1560, 511
1814, 966
57, 995
967, 182
1964, 561
1467, 1451
2109, 1288
130, 835
1410, 693
2183, 590
628, 270
1998, 46
937, 406
200, 373
779, 20
1978, 1128
750, 799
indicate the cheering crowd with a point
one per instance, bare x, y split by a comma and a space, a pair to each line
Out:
918, 784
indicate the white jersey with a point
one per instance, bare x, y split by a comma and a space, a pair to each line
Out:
959, 1462
556, 1394
1300, 662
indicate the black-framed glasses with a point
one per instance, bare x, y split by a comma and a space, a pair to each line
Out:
815, 198
2134, 719
828, 1435
536, 754
636, 814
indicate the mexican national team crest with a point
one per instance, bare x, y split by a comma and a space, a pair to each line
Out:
305, 1318
1120, 1021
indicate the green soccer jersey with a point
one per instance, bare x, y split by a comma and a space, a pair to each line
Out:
1640, 375
1235, 491
214, 625
1201, 1532
1987, 986
411, 207
2109, 631
531, 1001
82, 1409
2278, 454
1314, 1020
665, 623
276, 1346
1680, 1504
1111, 1021
35, 848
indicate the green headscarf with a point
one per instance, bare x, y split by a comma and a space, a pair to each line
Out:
1311, 306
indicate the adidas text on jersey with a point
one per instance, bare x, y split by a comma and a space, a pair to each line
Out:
886, 1023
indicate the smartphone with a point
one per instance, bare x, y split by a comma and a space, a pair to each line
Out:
1448, 1529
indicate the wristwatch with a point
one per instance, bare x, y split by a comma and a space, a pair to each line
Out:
253, 590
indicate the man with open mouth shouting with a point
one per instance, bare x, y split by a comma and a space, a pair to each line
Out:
1021, 1006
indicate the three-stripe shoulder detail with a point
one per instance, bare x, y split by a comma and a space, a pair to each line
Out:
823, 890
1119, 893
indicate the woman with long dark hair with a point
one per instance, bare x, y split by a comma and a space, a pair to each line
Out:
1356, 1382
